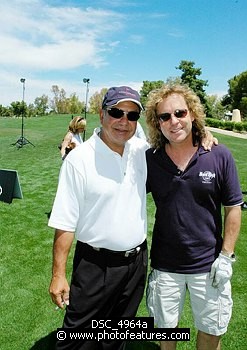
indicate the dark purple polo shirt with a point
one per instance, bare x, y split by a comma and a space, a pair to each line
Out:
187, 234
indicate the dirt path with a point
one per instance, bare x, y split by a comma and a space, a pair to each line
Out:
227, 132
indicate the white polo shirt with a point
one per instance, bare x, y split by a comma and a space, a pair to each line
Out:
101, 195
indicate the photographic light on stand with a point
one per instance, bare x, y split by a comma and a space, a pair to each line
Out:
22, 141
86, 81
22, 80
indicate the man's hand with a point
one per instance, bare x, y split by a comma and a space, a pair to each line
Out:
209, 141
221, 271
59, 291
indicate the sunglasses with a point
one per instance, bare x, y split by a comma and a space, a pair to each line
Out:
117, 113
79, 120
179, 113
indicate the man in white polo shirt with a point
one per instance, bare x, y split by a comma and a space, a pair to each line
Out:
101, 199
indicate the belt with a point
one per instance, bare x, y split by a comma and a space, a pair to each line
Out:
125, 253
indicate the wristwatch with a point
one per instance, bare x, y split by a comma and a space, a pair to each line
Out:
231, 256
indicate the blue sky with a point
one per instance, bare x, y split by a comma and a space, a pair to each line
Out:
116, 42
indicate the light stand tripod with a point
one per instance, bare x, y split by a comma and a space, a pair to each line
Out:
86, 81
22, 141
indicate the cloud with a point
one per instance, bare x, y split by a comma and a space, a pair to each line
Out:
155, 15
175, 33
55, 56
38, 36
136, 39
39, 40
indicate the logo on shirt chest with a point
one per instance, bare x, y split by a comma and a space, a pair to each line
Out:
207, 176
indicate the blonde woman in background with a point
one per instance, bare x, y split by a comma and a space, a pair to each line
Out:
73, 137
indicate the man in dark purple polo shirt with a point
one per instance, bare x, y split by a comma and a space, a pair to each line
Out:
191, 249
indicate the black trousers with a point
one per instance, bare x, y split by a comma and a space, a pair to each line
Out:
104, 285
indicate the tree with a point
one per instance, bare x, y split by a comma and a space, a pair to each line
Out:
41, 105
174, 80
75, 105
190, 77
237, 94
19, 108
214, 102
31, 110
62, 104
6, 111
243, 107
96, 101
59, 104
147, 87
54, 101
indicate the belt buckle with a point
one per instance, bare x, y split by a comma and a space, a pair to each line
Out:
134, 250
97, 249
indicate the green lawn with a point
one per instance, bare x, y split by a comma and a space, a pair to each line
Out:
28, 317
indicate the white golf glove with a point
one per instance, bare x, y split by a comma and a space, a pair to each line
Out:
221, 271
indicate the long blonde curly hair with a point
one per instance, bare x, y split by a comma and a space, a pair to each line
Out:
155, 136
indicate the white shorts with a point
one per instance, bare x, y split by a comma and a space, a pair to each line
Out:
166, 293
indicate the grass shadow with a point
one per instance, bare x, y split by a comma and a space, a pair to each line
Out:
45, 343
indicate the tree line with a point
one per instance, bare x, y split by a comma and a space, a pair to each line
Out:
215, 107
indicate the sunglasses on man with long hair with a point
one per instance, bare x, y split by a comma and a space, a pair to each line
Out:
178, 113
